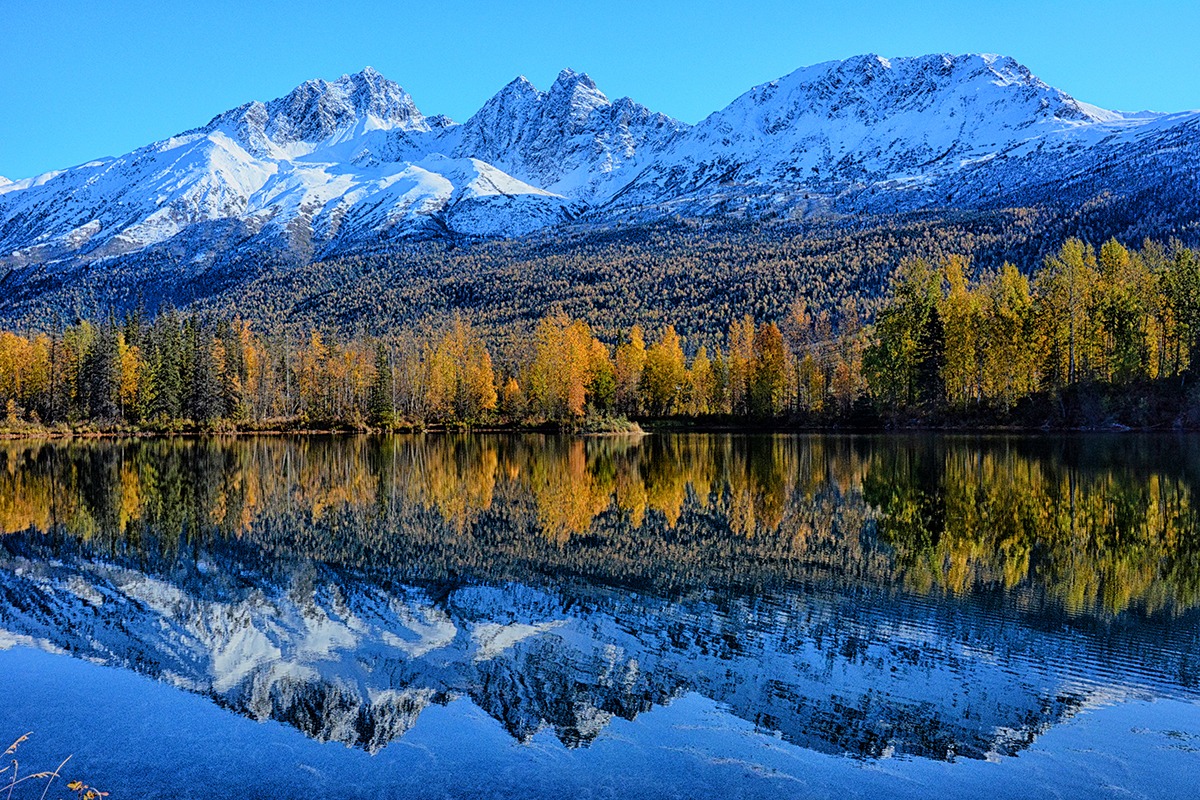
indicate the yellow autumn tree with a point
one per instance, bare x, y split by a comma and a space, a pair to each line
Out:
460, 379
129, 374
664, 374
561, 369
630, 361
962, 319
739, 360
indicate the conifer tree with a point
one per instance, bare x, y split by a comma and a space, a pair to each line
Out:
381, 403
100, 375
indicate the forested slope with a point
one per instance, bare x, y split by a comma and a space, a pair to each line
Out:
693, 274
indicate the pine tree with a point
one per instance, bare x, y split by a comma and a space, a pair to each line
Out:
100, 376
381, 404
204, 388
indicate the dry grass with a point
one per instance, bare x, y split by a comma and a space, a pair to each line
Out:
11, 778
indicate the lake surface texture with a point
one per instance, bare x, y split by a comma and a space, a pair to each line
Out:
672, 616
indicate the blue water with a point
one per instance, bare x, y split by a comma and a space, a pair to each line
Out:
687, 616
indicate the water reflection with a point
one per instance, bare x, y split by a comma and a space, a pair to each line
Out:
937, 597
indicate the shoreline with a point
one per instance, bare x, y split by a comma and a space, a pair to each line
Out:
621, 428
639, 429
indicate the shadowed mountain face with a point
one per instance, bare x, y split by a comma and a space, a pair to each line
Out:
869, 597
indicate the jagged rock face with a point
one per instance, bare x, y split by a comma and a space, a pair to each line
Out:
335, 167
571, 140
316, 111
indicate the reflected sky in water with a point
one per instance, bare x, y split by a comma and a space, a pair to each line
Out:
912, 604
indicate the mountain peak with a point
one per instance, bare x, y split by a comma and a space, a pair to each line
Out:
867, 62
519, 87
318, 109
570, 78
569, 139
988, 89
963, 65
372, 94
575, 94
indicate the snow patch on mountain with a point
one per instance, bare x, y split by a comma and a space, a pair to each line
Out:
492, 638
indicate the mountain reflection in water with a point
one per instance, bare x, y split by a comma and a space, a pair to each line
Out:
929, 596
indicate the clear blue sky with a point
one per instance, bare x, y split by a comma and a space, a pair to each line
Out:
85, 79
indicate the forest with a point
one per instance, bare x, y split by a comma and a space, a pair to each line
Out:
693, 273
1091, 337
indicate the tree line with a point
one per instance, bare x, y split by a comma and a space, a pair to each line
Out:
948, 343
1106, 322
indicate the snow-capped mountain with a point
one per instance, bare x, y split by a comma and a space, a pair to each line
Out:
332, 167
328, 161
936, 132
842, 126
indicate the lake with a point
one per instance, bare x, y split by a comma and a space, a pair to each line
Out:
684, 615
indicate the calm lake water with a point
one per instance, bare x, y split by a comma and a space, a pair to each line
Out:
671, 616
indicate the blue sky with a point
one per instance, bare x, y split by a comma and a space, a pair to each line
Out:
85, 79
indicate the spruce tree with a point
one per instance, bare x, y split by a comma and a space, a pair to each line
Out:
99, 376
381, 407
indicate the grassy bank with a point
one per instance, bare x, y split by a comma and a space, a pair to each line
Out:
588, 426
